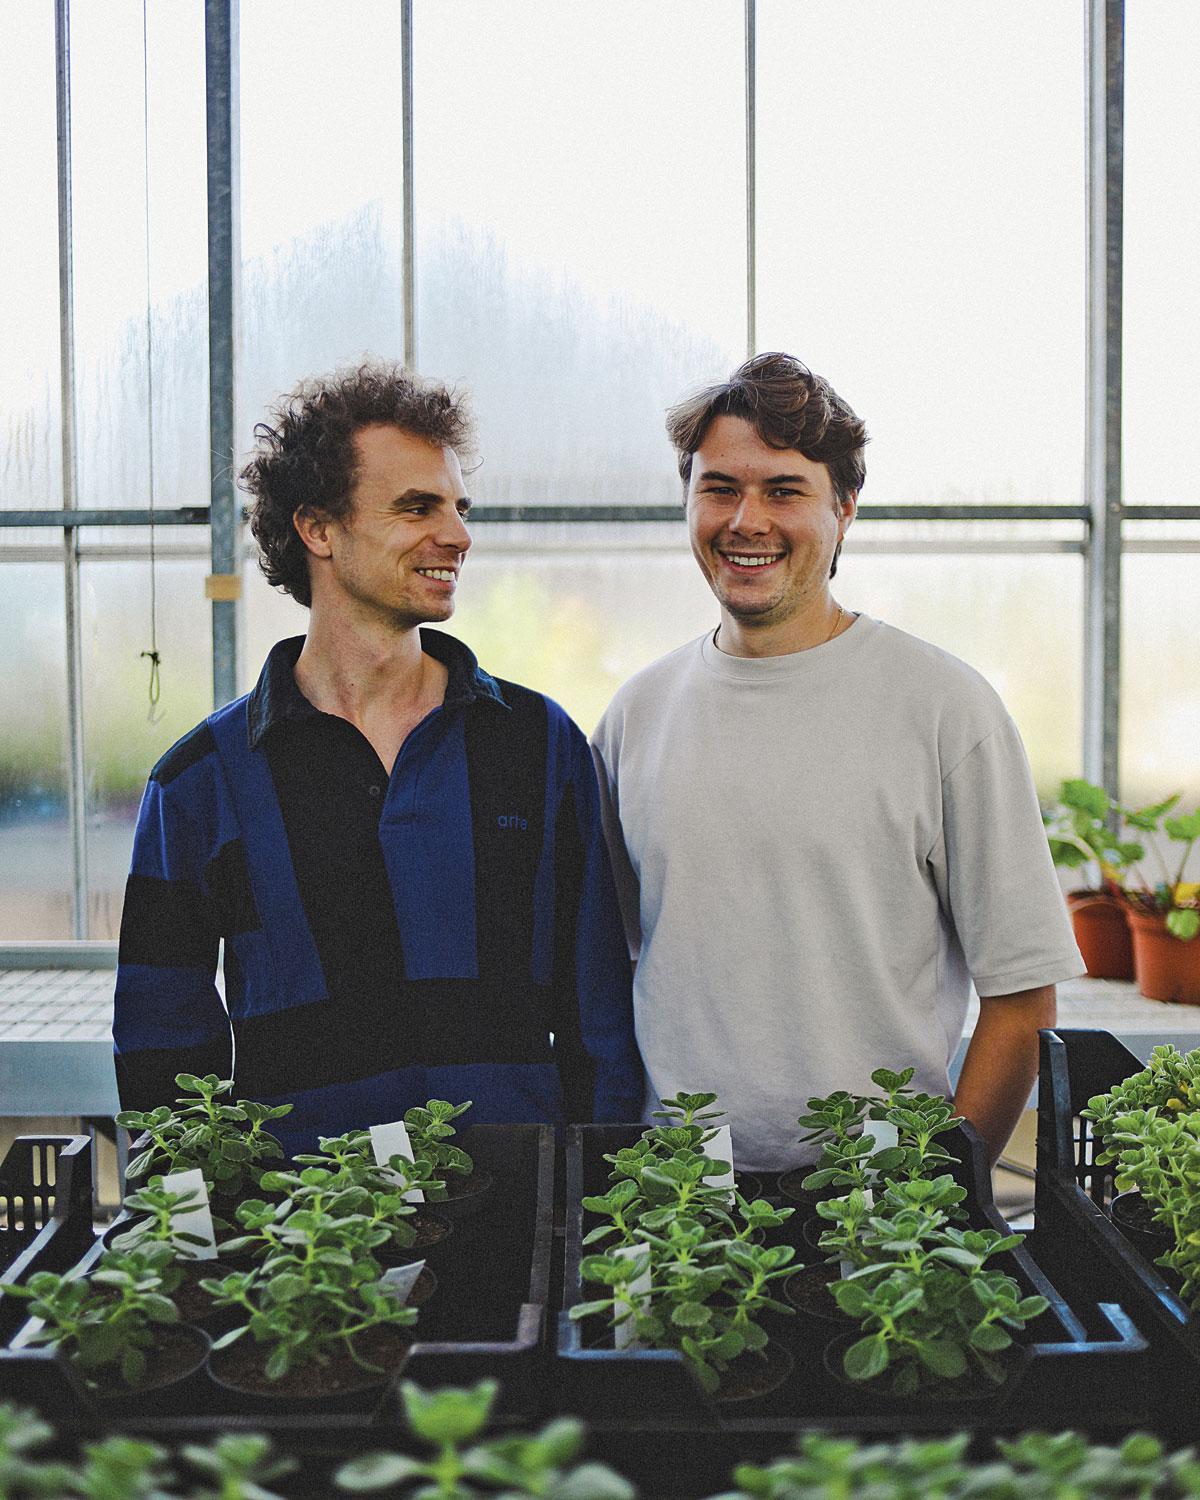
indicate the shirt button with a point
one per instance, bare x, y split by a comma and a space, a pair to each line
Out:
374, 789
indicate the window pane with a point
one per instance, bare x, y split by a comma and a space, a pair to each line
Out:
140, 373
321, 191
1162, 229
123, 734
30, 453
1160, 689
921, 234
580, 229
35, 838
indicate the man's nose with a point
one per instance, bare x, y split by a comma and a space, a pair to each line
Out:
455, 534
752, 517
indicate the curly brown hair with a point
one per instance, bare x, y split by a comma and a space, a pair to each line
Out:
789, 407
305, 457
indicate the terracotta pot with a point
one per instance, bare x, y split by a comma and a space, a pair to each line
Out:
1102, 932
1167, 967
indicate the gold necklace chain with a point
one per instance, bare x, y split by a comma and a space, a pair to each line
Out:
825, 642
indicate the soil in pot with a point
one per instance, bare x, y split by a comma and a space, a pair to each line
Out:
340, 1383
750, 1185
173, 1360
807, 1290
752, 1376
1134, 1217
1166, 967
195, 1305
464, 1195
431, 1230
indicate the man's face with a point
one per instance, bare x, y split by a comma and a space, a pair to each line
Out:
398, 551
763, 524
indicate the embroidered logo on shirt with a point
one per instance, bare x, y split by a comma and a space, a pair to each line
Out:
512, 820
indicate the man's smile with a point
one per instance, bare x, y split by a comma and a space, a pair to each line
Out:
750, 561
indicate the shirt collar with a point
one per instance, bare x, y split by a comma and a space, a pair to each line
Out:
276, 699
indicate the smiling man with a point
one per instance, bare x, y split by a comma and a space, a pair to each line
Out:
401, 854
823, 829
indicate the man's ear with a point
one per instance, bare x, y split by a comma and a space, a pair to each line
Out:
312, 527
847, 510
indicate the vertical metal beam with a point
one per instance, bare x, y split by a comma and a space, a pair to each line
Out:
1105, 176
224, 268
751, 181
76, 770
408, 252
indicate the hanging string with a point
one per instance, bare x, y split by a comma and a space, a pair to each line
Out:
154, 715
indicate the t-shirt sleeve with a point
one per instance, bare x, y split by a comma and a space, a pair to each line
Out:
994, 873
624, 877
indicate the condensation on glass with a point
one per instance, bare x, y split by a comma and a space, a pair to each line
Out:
321, 222
141, 320
30, 431
35, 837
580, 230
125, 733
1162, 229
921, 234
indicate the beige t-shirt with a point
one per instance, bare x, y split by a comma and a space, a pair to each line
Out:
815, 854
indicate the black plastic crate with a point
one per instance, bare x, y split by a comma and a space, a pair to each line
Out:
45, 1211
1083, 1366
488, 1317
1074, 1236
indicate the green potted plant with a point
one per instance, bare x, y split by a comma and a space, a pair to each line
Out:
116, 1327
228, 1142
456, 1189
933, 1315
1081, 838
154, 1211
1165, 917
323, 1327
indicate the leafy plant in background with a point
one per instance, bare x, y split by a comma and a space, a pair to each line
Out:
228, 1142
1078, 828
430, 1133
841, 1123
1160, 1157
105, 1322
463, 1463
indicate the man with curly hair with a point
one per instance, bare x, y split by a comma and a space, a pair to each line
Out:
401, 855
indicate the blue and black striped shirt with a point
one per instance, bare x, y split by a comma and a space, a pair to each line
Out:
447, 931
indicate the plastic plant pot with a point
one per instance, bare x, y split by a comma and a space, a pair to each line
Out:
1101, 925
1166, 967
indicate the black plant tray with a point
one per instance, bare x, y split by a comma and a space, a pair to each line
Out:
1076, 1239
487, 1319
1082, 1368
46, 1208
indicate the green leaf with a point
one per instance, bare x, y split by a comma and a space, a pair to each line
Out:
690, 1315
866, 1358
377, 1471
943, 1357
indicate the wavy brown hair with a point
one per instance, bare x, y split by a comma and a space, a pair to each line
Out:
789, 407
305, 457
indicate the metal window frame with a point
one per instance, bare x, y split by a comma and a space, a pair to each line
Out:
1102, 514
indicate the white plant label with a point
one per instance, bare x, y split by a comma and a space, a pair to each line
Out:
392, 1140
400, 1280
720, 1148
625, 1334
886, 1133
198, 1220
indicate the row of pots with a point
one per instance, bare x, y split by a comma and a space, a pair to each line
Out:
1119, 941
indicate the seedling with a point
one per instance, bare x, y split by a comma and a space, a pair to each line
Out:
430, 1132
451, 1422
318, 1285
227, 1142
155, 1208
106, 1321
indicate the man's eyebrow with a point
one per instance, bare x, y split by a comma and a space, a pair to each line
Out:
430, 495
774, 479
